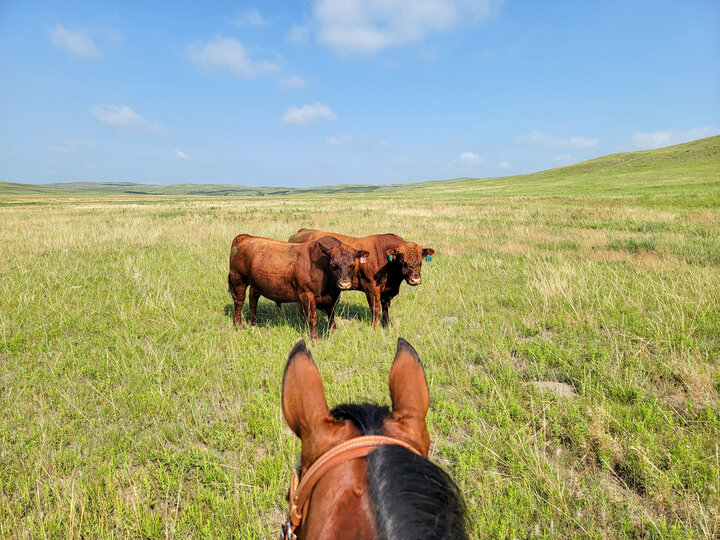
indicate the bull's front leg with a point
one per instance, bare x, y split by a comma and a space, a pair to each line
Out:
373, 298
328, 306
386, 309
309, 308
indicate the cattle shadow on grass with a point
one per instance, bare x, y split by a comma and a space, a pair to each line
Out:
360, 312
268, 314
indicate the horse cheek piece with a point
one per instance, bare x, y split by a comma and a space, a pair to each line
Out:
363, 472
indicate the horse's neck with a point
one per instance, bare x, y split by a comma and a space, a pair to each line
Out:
340, 505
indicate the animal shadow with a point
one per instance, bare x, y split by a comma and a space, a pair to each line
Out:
269, 314
357, 311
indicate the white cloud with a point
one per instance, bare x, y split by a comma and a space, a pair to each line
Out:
250, 17
582, 142
362, 26
230, 54
122, 117
180, 154
504, 165
535, 137
338, 141
563, 157
298, 34
469, 158
657, 139
67, 146
77, 43
308, 114
293, 82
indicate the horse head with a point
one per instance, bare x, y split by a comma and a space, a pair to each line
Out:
363, 470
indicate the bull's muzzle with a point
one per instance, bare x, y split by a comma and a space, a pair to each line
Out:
414, 280
344, 285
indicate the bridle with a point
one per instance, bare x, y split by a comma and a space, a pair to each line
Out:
301, 488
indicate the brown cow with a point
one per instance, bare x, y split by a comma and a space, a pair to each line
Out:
311, 274
392, 260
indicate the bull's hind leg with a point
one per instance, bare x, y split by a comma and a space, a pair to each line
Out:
254, 296
373, 298
307, 307
237, 291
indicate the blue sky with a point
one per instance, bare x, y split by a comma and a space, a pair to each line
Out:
331, 91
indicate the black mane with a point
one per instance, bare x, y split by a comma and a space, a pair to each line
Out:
412, 497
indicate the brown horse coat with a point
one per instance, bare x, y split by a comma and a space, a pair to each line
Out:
311, 274
379, 277
390, 494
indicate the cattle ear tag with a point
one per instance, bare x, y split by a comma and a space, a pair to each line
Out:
363, 260
390, 258
428, 258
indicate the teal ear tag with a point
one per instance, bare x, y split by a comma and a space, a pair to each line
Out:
390, 258
428, 258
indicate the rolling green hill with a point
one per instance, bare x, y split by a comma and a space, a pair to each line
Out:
675, 169
686, 169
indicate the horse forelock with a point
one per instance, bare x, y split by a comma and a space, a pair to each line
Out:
368, 418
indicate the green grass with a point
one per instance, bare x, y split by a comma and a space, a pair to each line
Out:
130, 406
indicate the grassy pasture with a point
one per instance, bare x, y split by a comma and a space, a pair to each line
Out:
130, 406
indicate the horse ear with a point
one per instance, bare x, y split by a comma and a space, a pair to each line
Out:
410, 399
303, 396
408, 388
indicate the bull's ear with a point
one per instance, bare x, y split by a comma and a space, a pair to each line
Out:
303, 397
408, 388
392, 254
428, 251
360, 253
326, 244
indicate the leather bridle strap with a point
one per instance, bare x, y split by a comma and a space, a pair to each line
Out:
351, 449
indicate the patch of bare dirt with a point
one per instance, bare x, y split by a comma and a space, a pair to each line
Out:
558, 388
276, 515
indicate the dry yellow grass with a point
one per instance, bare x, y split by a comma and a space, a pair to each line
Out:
132, 407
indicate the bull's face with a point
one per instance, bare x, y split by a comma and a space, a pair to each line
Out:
342, 263
409, 256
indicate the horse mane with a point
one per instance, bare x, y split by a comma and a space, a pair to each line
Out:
411, 497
